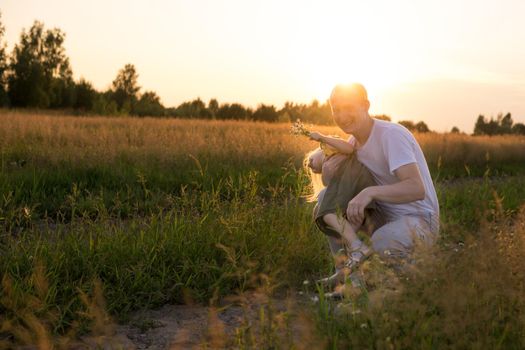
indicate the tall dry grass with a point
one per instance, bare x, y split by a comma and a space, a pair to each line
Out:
96, 140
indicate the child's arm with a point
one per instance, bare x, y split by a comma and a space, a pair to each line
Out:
340, 145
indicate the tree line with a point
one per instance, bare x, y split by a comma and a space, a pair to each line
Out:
501, 125
38, 74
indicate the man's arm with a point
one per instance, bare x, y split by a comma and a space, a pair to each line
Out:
410, 188
342, 146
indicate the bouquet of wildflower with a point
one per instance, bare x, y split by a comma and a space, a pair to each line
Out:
298, 128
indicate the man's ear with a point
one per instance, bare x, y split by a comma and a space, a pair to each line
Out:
366, 104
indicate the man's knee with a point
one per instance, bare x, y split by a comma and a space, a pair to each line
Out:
390, 244
398, 239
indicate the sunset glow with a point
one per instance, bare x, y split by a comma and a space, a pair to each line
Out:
442, 62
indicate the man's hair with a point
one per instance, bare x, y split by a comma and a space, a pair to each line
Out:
352, 92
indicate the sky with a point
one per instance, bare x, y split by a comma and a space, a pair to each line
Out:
444, 62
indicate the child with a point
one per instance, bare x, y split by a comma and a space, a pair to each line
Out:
337, 178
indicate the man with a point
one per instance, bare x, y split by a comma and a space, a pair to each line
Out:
408, 209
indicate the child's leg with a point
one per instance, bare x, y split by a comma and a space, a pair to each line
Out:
344, 228
358, 251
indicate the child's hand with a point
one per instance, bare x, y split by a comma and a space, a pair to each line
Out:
316, 136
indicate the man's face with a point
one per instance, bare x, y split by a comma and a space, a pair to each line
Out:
348, 114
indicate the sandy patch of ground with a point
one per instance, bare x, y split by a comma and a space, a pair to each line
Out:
252, 318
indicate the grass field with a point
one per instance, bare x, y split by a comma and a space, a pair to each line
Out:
103, 216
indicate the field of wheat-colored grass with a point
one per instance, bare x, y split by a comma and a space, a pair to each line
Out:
103, 216
103, 139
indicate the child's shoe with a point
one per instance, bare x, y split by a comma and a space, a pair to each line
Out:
357, 257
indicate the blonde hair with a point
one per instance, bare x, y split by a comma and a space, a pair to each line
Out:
315, 178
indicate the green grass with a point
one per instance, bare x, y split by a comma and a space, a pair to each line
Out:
205, 243
61, 193
157, 228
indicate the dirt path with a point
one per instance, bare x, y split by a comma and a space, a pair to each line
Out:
248, 319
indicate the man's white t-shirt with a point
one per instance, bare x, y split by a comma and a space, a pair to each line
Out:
388, 147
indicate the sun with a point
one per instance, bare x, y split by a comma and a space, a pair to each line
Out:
340, 45
355, 60
373, 78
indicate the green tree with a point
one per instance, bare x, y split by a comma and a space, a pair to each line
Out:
3, 67
315, 112
40, 74
234, 111
505, 123
418, 127
265, 113
125, 89
149, 105
290, 112
422, 127
408, 124
454, 130
382, 117
213, 107
492, 127
104, 104
480, 128
193, 109
518, 129
85, 96
501, 125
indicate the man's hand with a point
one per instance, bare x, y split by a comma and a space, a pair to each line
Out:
316, 136
355, 212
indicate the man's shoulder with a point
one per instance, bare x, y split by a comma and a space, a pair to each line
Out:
390, 129
385, 124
